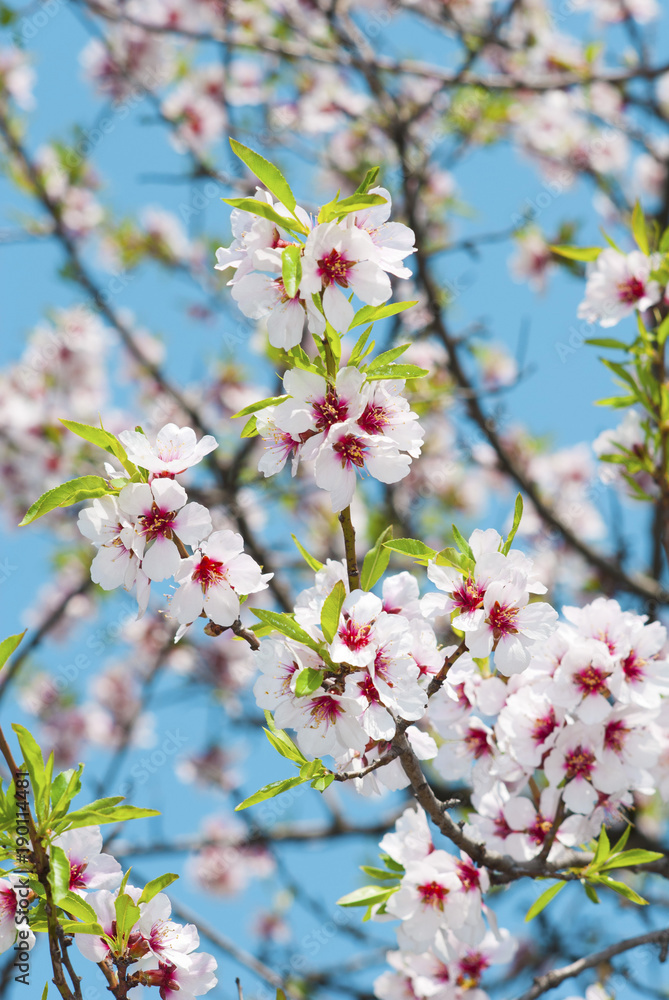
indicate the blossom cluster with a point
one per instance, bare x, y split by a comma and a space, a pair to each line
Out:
141, 532
158, 952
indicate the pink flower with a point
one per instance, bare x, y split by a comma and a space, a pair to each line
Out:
175, 449
617, 285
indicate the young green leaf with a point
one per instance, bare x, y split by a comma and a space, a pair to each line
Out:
103, 439
59, 874
368, 181
308, 558
308, 681
265, 211
628, 858
269, 175
462, 542
639, 229
544, 899
368, 895
620, 888
8, 645
78, 907
76, 927
577, 253
387, 357
376, 561
127, 915
517, 515
155, 886
250, 428
270, 791
291, 270
603, 849
83, 488
410, 547
397, 371
336, 209
332, 609
34, 762
286, 625
371, 314
323, 781
260, 405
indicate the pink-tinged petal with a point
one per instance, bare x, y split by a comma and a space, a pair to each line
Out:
580, 796
370, 283
135, 499
338, 310
80, 844
102, 872
169, 494
161, 559
192, 523
221, 604
187, 602
387, 465
223, 545
285, 324
245, 575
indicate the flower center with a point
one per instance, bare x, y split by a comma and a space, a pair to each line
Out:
502, 620
578, 763
540, 829
367, 688
355, 636
351, 450
433, 894
158, 522
325, 709
472, 966
209, 572
77, 880
476, 742
329, 410
592, 680
373, 419
615, 735
502, 828
469, 595
633, 667
544, 727
468, 875
334, 269
630, 290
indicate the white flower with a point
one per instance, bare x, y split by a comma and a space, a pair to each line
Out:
346, 450
315, 406
393, 241
159, 511
387, 412
175, 449
13, 926
577, 759
115, 564
263, 296
617, 285
212, 579
339, 260
89, 869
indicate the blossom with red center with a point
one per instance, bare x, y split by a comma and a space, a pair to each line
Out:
387, 412
356, 640
471, 967
540, 829
212, 579
89, 868
633, 667
469, 595
159, 511
617, 284
615, 735
508, 624
477, 741
544, 726
278, 445
174, 450
592, 680
338, 258
469, 875
428, 899
346, 451
580, 759
315, 405
433, 894
584, 679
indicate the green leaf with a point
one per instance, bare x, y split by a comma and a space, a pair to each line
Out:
78, 907
250, 428
282, 742
369, 180
376, 561
410, 547
608, 342
59, 874
155, 886
625, 836
628, 858
517, 517
397, 371
95, 816
8, 645
83, 488
45, 992
76, 927
603, 849
127, 915
543, 900
308, 681
103, 439
261, 208
382, 873
620, 888
371, 314
590, 893
323, 781
286, 625
368, 895
331, 610
336, 209
291, 270
260, 405
308, 558
270, 791
387, 357
361, 349
34, 762
577, 253
462, 542
639, 229
662, 331
617, 402
269, 175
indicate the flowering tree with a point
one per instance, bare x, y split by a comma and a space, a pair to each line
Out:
490, 708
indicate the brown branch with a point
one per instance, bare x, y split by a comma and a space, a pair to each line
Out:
349, 545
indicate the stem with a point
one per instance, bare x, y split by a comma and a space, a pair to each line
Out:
349, 545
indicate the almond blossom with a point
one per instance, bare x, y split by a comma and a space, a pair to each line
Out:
348, 451
174, 450
617, 285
